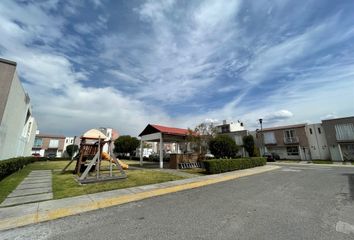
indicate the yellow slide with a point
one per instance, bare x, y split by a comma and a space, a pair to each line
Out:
105, 156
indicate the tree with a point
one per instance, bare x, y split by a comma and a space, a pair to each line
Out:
71, 149
248, 144
223, 146
126, 144
201, 136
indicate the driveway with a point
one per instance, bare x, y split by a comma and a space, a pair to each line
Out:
294, 202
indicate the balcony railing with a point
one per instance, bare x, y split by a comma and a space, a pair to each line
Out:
291, 140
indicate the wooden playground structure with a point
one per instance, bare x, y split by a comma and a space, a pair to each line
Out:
90, 156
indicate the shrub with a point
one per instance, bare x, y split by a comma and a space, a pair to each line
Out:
248, 144
226, 165
223, 146
12, 165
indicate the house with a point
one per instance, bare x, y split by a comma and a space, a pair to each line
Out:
229, 127
317, 141
17, 124
236, 131
340, 138
49, 145
289, 142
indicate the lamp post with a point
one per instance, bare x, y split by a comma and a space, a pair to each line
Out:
262, 140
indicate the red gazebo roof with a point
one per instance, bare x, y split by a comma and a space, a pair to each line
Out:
153, 128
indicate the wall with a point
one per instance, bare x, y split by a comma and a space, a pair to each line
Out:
317, 142
13, 122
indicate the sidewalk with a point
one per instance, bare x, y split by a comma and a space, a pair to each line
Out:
16, 216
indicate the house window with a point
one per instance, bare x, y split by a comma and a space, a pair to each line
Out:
311, 131
344, 131
289, 133
53, 143
238, 140
38, 142
269, 138
319, 130
71, 141
292, 151
66, 140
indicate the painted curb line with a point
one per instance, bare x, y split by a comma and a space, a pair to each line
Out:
310, 164
76, 208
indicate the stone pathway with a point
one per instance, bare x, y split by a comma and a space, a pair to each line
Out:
36, 187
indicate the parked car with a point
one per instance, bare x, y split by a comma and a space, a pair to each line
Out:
51, 155
271, 157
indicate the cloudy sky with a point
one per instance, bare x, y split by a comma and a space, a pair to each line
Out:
125, 64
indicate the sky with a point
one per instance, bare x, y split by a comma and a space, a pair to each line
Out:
125, 64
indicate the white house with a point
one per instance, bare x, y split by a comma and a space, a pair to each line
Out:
17, 125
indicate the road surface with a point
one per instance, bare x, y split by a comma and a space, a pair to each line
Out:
294, 202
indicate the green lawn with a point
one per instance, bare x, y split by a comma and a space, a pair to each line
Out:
65, 185
322, 161
198, 171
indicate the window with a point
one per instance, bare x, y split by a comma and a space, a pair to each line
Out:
344, 131
292, 151
66, 140
269, 138
319, 130
289, 133
310, 131
238, 140
53, 143
38, 142
71, 141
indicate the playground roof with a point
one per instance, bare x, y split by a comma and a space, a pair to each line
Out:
153, 128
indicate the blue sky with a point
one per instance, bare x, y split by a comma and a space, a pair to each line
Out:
125, 64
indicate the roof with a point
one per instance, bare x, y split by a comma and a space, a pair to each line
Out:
8, 61
94, 134
153, 128
45, 135
285, 127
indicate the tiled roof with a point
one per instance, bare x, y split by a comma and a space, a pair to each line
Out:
44, 135
171, 130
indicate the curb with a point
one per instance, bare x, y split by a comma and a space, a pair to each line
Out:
310, 164
26, 214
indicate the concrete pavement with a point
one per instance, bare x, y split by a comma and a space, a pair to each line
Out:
36, 187
12, 217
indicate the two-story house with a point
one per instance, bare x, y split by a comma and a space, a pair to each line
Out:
236, 131
17, 124
340, 138
49, 145
289, 142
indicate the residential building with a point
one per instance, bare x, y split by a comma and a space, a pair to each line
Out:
229, 127
17, 125
69, 141
317, 141
49, 145
289, 142
340, 138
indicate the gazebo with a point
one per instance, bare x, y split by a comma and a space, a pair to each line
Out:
161, 134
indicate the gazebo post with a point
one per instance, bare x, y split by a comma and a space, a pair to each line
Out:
161, 151
141, 151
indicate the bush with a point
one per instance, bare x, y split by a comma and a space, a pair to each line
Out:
226, 165
223, 146
12, 165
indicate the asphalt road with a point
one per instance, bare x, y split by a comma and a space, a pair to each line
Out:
294, 202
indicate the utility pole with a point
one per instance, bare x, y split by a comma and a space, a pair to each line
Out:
262, 138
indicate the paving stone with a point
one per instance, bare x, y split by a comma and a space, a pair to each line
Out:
36, 181
34, 185
26, 199
31, 191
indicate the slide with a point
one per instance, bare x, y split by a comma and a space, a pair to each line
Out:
105, 156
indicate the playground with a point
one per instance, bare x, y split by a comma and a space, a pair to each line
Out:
66, 185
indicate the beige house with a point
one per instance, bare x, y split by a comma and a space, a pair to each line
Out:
289, 142
49, 145
340, 138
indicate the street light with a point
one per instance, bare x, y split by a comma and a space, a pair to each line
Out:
262, 139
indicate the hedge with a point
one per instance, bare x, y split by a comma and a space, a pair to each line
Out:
225, 165
12, 165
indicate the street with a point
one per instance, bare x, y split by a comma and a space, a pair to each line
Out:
293, 202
